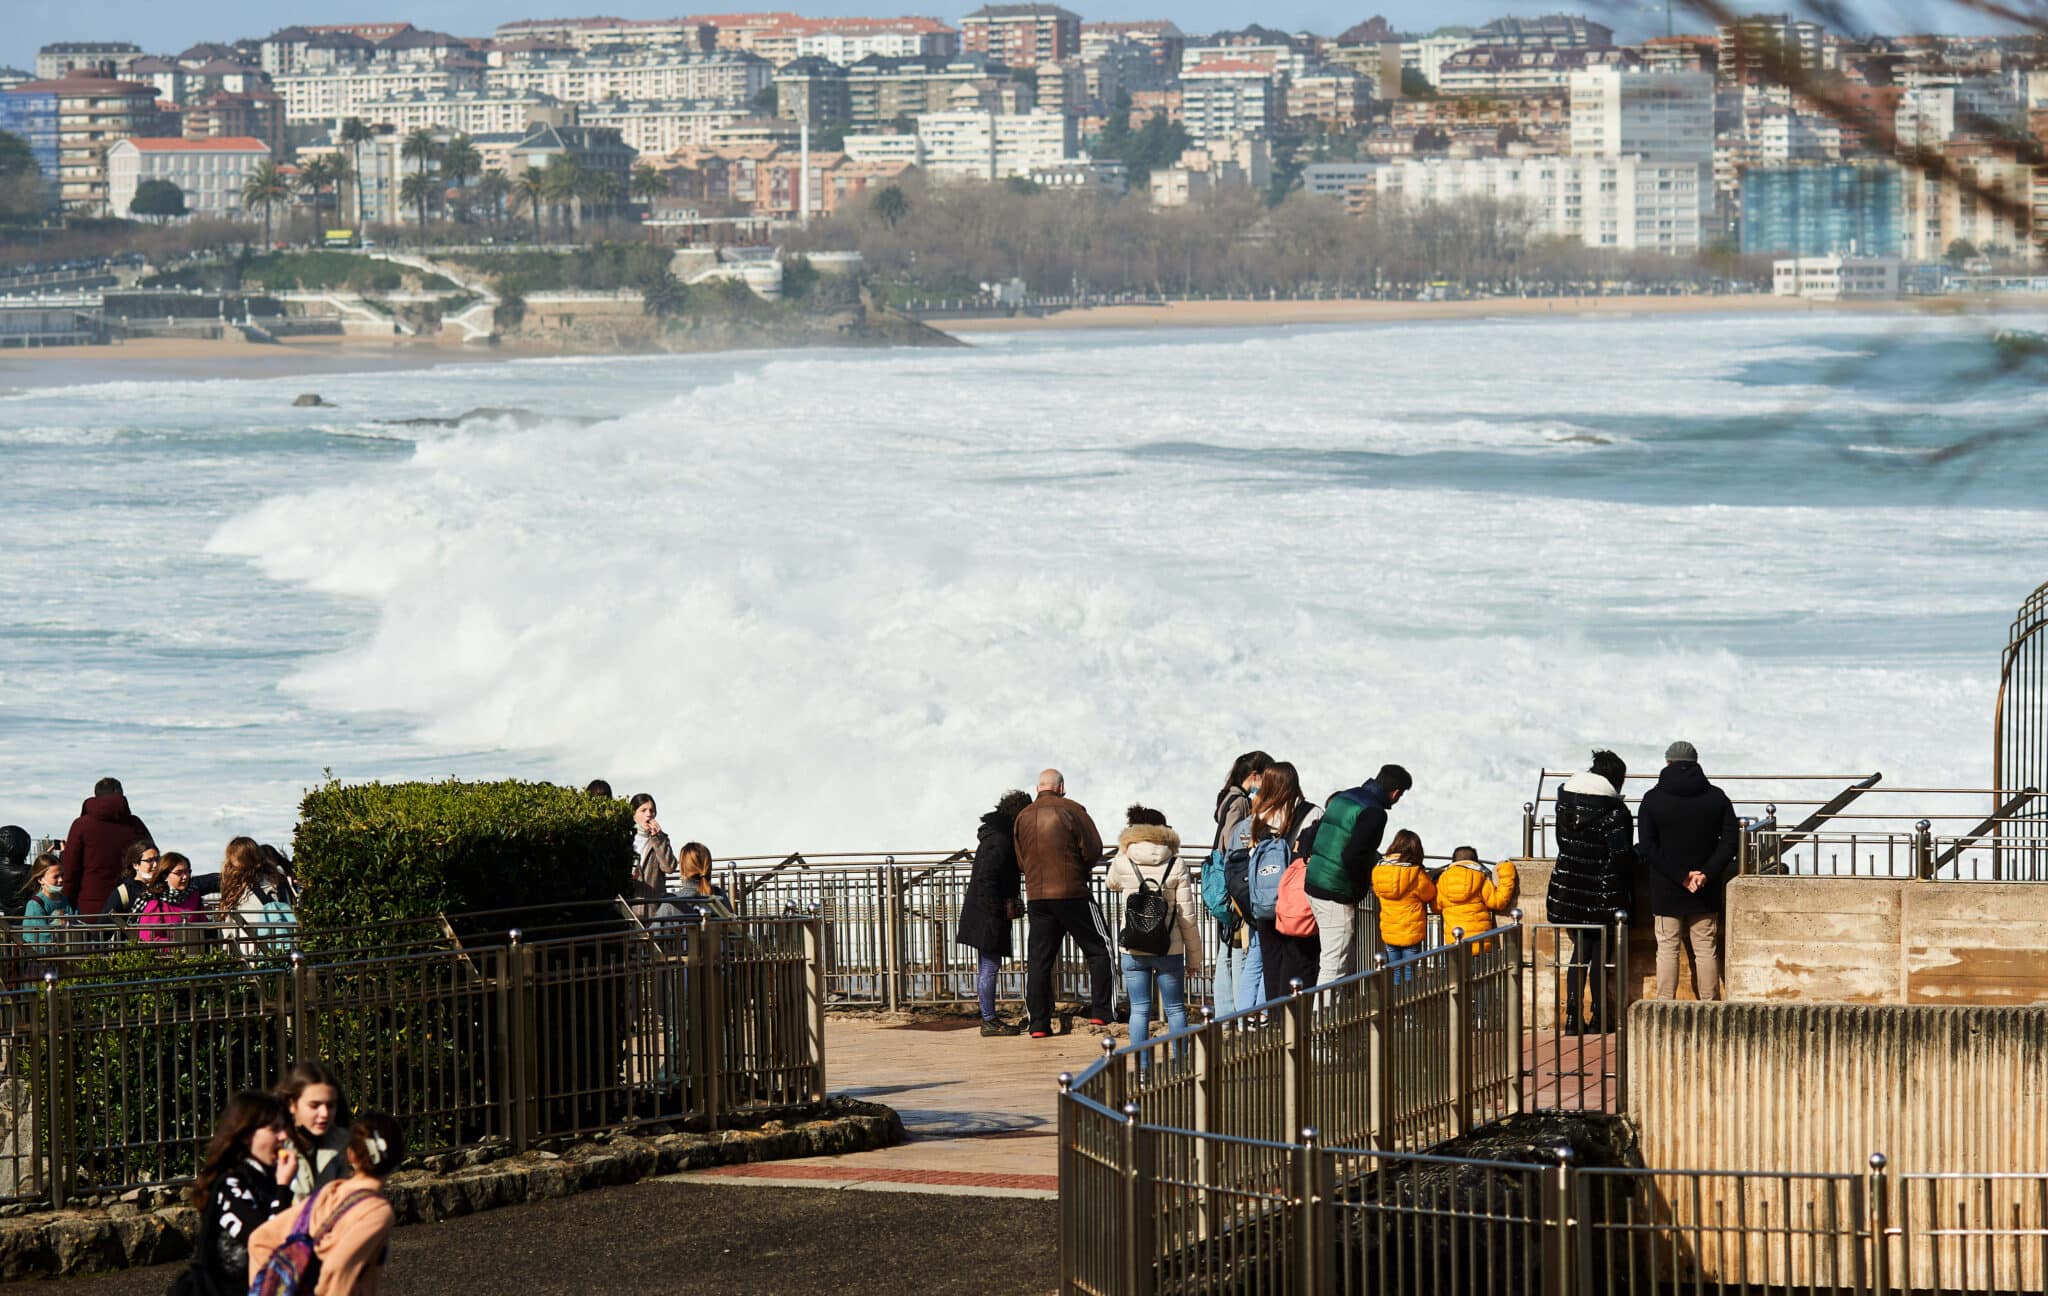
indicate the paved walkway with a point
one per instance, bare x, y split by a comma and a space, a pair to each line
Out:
980, 1112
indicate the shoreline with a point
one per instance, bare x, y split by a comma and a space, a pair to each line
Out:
231, 359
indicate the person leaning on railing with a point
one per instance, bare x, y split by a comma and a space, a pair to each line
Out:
1405, 894
1470, 893
48, 909
170, 903
1347, 848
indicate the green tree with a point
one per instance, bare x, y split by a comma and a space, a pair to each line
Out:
492, 189
15, 157
266, 187
891, 204
355, 133
648, 183
21, 180
1961, 252
160, 199
315, 175
663, 295
602, 190
460, 163
418, 192
764, 102
1414, 85
531, 188
563, 183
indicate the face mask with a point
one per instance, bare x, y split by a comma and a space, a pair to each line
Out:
1253, 790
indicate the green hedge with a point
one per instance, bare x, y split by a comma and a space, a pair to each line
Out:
379, 851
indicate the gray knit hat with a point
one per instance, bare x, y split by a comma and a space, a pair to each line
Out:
1682, 751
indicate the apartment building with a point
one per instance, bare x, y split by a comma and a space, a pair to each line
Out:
846, 41
1811, 211
1022, 35
1239, 162
881, 91
658, 127
259, 114
86, 114
1932, 111
331, 94
1223, 98
1990, 204
1623, 112
1783, 137
1619, 204
83, 59
669, 73
1485, 71
1337, 100
462, 112
1551, 31
1754, 45
208, 172
584, 34
812, 90
1159, 39
993, 146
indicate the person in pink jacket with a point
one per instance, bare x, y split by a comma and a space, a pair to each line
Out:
172, 902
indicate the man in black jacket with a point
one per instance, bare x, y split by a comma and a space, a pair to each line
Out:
1688, 839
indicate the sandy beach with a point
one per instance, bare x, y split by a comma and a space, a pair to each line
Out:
196, 359
1253, 314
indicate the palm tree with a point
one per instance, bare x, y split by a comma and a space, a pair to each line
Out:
417, 191
266, 187
339, 172
648, 183
603, 189
355, 133
459, 162
315, 174
420, 146
492, 191
531, 188
563, 181
891, 205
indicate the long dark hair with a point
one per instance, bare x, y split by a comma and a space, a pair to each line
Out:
300, 1078
1279, 789
376, 1146
247, 1112
1252, 762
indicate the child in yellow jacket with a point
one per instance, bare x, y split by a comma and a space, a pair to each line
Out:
1404, 892
1470, 893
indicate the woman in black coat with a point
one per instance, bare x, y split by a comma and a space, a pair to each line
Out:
992, 904
1594, 878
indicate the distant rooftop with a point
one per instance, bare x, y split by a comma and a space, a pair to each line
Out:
225, 144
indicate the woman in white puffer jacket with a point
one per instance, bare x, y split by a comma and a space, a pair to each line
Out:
1149, 852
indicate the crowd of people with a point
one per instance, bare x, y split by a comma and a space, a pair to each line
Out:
290, 1193
1287, 882
108, 879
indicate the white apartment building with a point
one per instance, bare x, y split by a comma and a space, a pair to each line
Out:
1935, 111
658, 127
1271, 58
1226, 97
330, 94
1661, 116
209, 172
1797, 137
1427, 54
465, 112
586, 33
993, 146
878, 147
844, 43
1338, 179
1619, 204
1831, 278
725, 75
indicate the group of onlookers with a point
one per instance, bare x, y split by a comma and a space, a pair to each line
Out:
109, 876
291, 1193
1287, 883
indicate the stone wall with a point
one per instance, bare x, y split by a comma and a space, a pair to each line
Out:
1886, 941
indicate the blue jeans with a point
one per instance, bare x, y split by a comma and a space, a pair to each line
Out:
1140, 972
1251, 978
985, 985
1397, 954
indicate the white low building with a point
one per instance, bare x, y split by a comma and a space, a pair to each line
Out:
208, 172
1831, 278
463, 112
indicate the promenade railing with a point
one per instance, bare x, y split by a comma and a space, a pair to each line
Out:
1298, 1148
112, 1081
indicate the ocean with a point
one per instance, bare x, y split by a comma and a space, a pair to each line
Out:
832, 601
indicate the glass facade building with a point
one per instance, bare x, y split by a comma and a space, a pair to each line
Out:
1816, 210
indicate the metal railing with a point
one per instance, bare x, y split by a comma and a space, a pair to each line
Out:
110, 1083
1288, 1150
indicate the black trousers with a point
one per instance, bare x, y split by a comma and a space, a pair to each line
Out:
1588, 948
1051, 922
1284, 959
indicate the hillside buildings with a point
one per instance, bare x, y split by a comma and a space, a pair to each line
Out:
1022, 35
210, 172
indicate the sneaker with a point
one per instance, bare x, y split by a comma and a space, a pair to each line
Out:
1098, 1021
1041, 1034
997, 1026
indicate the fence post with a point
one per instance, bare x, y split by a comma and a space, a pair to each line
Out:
892, 935
302, 991
1620, 1022
1294, 1095
1203, 1044
710, 979
1559, 1243
1460, 1023
1528, 830
1137, 1204
1923, 851
1381, 1041
814, 996
57, 1121
1881, 1228
1312, 1185
519, 1080
1511, 943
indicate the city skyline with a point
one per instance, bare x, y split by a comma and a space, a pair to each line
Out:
162, 28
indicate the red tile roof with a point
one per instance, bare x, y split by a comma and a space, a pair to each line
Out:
225, 144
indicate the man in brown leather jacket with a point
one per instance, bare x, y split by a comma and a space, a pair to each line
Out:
1058, 848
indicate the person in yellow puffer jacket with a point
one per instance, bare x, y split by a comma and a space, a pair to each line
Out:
1469, 893
1404, 892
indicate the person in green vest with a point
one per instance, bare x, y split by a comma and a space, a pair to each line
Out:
1347, 846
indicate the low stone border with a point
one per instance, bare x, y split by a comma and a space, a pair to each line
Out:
143, 1228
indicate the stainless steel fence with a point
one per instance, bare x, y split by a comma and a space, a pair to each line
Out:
108, 1083
1285, 1151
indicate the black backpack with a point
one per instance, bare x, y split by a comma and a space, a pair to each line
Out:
1148, 915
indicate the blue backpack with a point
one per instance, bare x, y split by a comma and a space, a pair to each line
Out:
1215, 889
1268, 866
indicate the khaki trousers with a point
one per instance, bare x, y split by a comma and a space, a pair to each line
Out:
1702, 932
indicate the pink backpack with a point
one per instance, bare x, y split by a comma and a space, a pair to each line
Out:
1292, 915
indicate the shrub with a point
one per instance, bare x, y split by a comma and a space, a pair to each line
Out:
373, 852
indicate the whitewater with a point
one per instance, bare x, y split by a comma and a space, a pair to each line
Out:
823, 600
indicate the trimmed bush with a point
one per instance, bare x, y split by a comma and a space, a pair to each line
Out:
373, 852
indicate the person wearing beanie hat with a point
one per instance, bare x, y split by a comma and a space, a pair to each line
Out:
1688, 838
